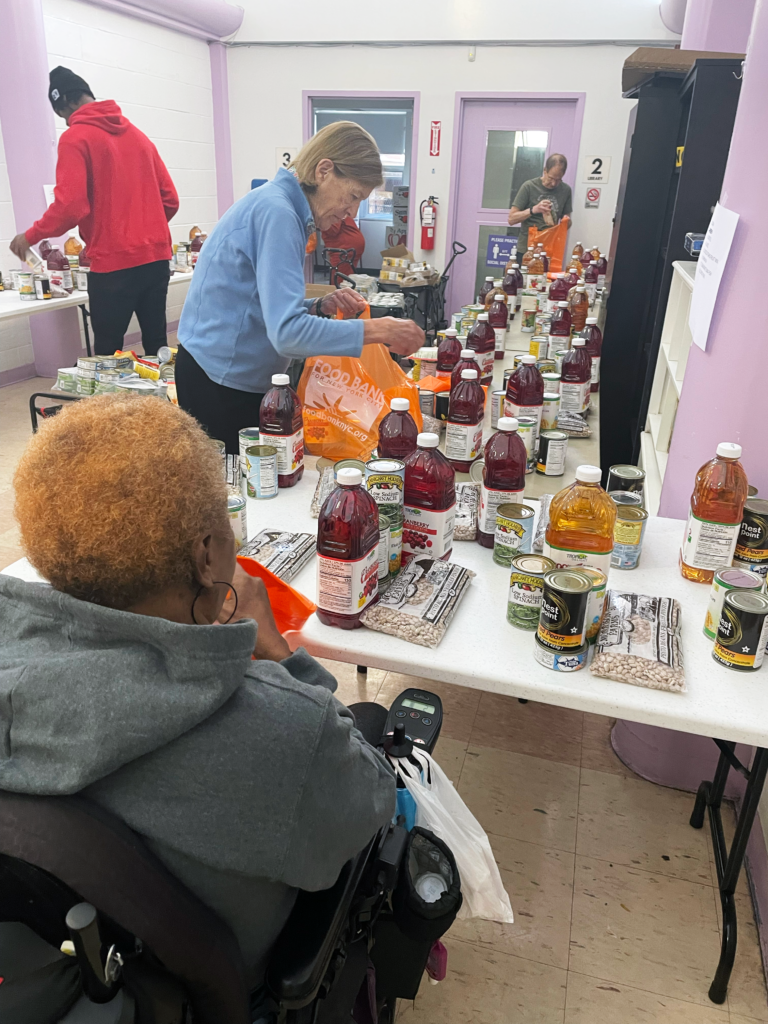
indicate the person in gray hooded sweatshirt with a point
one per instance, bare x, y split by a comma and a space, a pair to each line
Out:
247, 778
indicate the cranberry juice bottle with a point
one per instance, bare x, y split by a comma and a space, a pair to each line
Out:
468, 361
281, 425
397, 431
544, 260
487, 286
503, 476
560, 324
464, 429
579, 307
194, 249
498, 318
575, 377
593, 337
482, 341
448, 353
59, 270
558, 292
525, 395
347, 552
44, 248
510, 286
429, 501
602, 268
572, 279
590, 280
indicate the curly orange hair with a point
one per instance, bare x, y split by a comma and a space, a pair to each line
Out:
112, 493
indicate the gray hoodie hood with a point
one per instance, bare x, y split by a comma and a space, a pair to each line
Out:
84, 690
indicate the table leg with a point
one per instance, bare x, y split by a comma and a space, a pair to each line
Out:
362, 670
728, 862
86, 315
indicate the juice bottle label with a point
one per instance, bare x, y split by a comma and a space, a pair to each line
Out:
591, 293
61, 279
489, 506
427, 532
709, 545
573, 397
347, 587
485, 361
463, 441
510, 409
595, 374
290, 450
575, 559
501, 336
601, 280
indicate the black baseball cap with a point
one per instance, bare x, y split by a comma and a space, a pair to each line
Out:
62, 82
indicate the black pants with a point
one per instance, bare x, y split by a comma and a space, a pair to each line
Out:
113, 299
220, 411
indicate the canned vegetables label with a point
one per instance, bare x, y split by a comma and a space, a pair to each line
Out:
347, 587
709, 545
627, 532
489, 505
385, 488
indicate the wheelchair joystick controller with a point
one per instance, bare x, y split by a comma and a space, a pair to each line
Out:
398, 744
83, 924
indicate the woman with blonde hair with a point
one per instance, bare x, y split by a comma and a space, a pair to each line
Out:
245, 316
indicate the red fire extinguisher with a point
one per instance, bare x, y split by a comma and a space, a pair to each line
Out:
428, 217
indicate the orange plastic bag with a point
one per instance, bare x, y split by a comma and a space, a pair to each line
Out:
553, 240
290, 608
345, 399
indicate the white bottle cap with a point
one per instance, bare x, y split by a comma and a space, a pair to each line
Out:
588, 474
563, 305
424, 441
549, 396
399, 405
729, 450
507, 423
591, 320
489, 279
528, 359
281, 378
497, 282
530, 248
559, 275
515, 266
482, 316
467, 353
451, 333
349, 477
581, 287
602, 255
469, 374
577, 342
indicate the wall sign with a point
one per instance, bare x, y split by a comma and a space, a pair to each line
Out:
435, 129
499, 250
284, 156
596, 169
592, 200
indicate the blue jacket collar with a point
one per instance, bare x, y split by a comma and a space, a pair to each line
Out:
288, 183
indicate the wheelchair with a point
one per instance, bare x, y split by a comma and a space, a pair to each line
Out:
148, 951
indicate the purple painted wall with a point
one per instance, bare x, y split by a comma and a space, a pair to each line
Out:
222, 138
719, 25
31, 158
715, 404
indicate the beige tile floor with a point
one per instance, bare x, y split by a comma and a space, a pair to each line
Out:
616, 913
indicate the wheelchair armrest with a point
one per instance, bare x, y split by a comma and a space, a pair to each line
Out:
303, 951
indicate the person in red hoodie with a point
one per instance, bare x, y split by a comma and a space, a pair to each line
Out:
112, 185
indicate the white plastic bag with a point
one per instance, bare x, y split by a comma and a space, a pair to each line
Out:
440, 809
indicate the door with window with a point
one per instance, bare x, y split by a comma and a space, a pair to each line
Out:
502, 143
390, 122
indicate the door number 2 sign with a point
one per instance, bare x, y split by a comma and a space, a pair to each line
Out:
596, 169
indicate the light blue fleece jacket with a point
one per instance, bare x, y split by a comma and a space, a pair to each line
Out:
245, 315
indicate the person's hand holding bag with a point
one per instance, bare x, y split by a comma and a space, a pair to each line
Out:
403, 337
253, 603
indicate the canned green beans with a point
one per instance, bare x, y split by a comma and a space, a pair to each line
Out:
723, 581
261, 471
526, 587
564, 609
628, 535
743, 631
550, 410
514, 532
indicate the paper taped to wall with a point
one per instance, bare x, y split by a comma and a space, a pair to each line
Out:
709, 272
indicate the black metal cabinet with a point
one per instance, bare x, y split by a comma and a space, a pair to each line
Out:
677, 147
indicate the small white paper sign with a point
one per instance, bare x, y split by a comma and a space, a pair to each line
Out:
709, 272
48, 193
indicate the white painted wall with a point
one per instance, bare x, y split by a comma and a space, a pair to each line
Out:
438, 72
471, 20
15, 339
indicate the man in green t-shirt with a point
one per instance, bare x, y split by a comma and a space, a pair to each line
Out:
542, 202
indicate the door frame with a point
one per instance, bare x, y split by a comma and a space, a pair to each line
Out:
308, 95
462, 98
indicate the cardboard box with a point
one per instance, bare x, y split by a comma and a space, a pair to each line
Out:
391, 275
647, 60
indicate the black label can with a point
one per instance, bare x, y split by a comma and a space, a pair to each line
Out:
441, 404
553, 445
562, 621
625, 478
752, 544
743, 630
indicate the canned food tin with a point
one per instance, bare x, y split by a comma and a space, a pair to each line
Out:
550, 410
518, 359
26, 286
66, 379
395, 544
545, 366
551, 383
723, 581
475, 310
553, 444
564, 609
596, 603
625, 478
248, 437
628, 534
752, 544
348, 464
559, 355
238, 518
43, 287
385, 482
497, 406
538, 346
261, 471
526, 586
742, 631
456, 319
561, 661
384, 529
627, 497
528, 320
507, 374
441, 405
514, 532
555, 344
526, 428
427, 402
